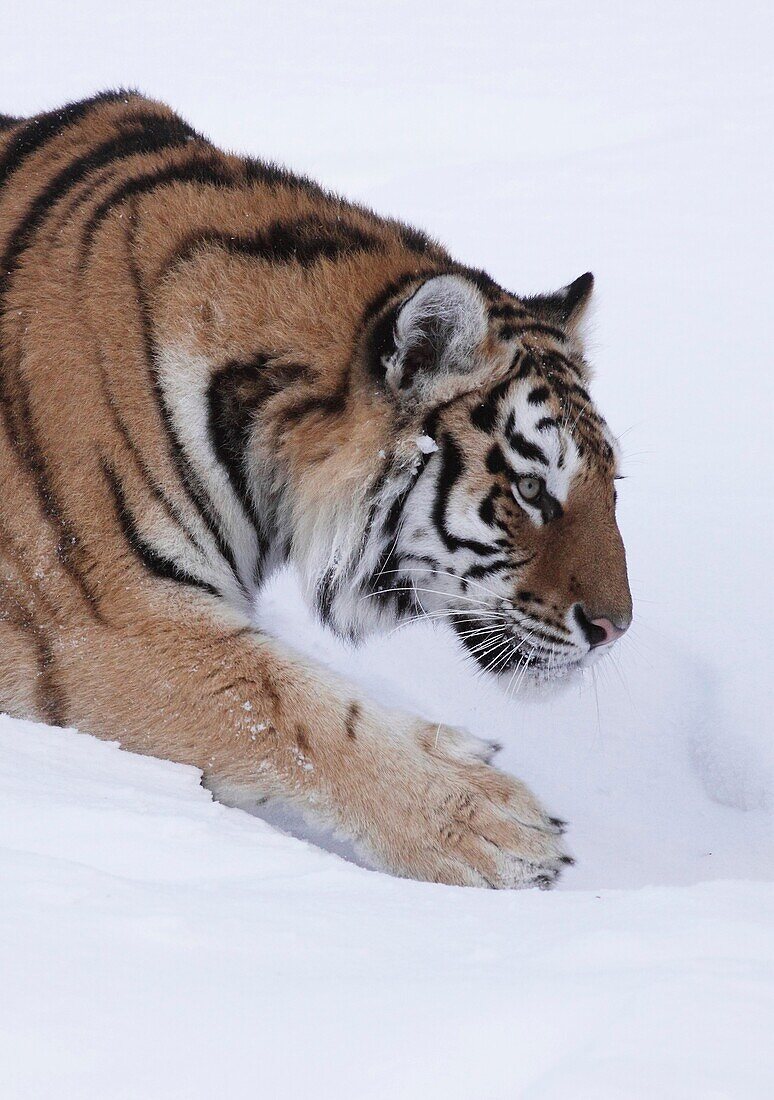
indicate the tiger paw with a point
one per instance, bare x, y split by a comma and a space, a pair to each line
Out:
455, 819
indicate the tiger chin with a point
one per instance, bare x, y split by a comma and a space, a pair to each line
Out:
210, 367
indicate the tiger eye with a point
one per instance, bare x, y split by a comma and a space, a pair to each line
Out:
529, 487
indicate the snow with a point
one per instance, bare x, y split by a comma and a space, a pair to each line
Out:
426, 444
156, 944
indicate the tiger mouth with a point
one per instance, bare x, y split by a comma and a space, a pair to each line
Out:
509, 655
531, 648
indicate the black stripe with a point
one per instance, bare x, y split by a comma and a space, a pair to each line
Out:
392, 290
539, 395
545, 635
375, 491
384, 581
522, 446
7, 121
557, 362
332, 404
495, 460
67, 209
41, 129
154, 562
550, 508
156, 134
395, 511
20, 432
208, 169
415, 240
351, 720
324, 595
484, 416
188, 476
486, 508
232, 397
149, 481
485, 570
431, 564
480, 650
51, 696
383, 576
274, 175
522, 365
235, 395
381, 344
480, 279
506, 312
303, 241
451, 470
507, 332
546, 422
50, 699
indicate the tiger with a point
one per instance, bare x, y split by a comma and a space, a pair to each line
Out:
212, 368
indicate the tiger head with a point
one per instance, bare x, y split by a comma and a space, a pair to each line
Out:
495, 504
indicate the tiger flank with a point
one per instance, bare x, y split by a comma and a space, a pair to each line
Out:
210, 367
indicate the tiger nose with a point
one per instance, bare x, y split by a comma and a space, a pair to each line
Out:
601, 631
610, 632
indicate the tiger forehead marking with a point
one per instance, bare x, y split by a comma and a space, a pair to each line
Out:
545, 423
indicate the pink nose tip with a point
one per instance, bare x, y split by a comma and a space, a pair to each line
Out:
612, 632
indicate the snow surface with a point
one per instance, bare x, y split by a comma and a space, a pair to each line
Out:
156, 944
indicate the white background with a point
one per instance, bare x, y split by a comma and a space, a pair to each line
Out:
155, 945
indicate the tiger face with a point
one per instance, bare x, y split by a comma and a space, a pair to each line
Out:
507, 528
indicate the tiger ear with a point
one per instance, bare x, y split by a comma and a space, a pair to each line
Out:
567, 306
437, 332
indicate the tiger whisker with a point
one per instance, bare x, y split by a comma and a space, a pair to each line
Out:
497, 629
522, 672
514, 613
444, 573
498, 656
502, 661
443, 613
596, 699
523, 661
432, 591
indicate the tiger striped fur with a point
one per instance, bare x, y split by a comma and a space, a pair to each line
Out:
210, 367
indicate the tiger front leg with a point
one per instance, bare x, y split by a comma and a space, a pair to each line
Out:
419, 800
423, 802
